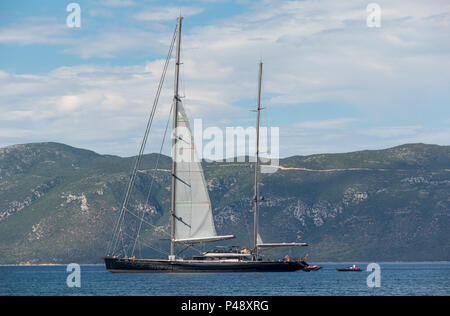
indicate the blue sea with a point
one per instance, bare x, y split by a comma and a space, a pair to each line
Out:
395, 279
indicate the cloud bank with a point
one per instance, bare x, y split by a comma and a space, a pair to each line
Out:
370, 88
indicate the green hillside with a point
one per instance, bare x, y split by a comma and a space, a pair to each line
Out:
58, 204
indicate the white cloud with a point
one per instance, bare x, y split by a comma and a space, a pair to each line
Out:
303, 141
326, 124
16, 133
101, 13
117, 3
166, 13
90, 106
109, 44
313, 52
34, 33
316, 52
391, 131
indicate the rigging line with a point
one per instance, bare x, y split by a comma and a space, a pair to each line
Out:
114, 250
121, 233
139, 157
123, 244
156, 249
152, 116
247, 226
148, 223
153, 179
179, 252
199, 251
144, 142
120, 241
190, 246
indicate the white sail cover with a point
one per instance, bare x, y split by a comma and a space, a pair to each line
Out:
193, 214
261, 244
259, 240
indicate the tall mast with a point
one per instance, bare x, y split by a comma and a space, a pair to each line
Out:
176, 98
255, 211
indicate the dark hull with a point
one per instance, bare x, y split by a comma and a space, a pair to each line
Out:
118, 265
348, 270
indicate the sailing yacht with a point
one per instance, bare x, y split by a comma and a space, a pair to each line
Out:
191, 219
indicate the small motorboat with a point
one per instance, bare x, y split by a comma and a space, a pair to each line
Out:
312, 268
353, 268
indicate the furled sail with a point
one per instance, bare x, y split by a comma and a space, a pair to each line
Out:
259, 240
193, 214
261, 244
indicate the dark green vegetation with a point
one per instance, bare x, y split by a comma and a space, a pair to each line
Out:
58, 204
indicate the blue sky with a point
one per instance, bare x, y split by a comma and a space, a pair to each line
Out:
331, 83
98, 17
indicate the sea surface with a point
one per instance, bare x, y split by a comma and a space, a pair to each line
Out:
396, 279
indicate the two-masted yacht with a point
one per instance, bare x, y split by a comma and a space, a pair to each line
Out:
191, 218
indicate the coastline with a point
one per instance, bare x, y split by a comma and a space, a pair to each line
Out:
48, 265
318, 262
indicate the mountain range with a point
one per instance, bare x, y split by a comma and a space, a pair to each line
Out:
59, 204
